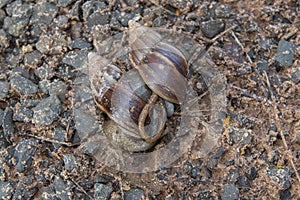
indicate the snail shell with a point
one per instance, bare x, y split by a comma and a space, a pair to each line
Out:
122, 97
162, 66
138, 120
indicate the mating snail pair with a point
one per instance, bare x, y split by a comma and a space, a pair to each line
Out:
133, 100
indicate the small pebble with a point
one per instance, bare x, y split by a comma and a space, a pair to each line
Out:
229, 163
124, 17
53, 44
100, 178
63, 188
102, 192
285, 53
59, 134
44, 86
296, 75
212, 163
98, 19
22, 113
64, 3
243, 181
279, 175
252, 26
134, 194
232, 176
284, 195
85, 125
298, 138
286, 185
170, 108
220, 151
212, 28
23, 85
33, 59
44, 72
251, 175
66, 72
69, 162
48, 193
76, 59
18, 19
80, 44
6, 189
222, 11
46, 111
262, 66
24, 153
231, 192
25, 189
90, 147
4, 88
4, 40
44, 13
239, 136
29, 103
61, 22
7, 123
90, 7
58, 88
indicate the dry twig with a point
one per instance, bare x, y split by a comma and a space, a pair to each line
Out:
51, 140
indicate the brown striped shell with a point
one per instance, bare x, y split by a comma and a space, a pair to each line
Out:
160, 69
122, 97
162, 66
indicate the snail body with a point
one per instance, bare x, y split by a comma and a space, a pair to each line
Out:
130, 99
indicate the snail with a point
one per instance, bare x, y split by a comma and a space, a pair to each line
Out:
133, 100
123, 97
162, 66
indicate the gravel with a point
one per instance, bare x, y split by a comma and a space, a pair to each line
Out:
76, 58
285, 53
23, 85
33, 59
296, 75
22, 113
24, 152
212, 28
59, 89
4, 40
279, 175
25, 189
4, 87
102, 192
69, 162
231, 192
60, 135
50, 126
46, 111
6, 189
134, 194
7, 124
53, 43
18, 18
232, 176
44, 72
242, 136
62, 188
